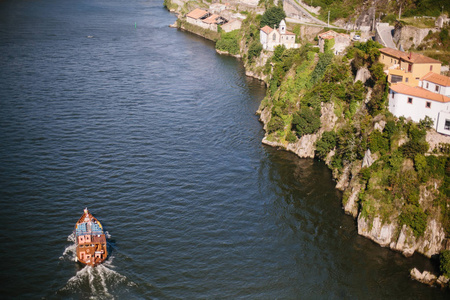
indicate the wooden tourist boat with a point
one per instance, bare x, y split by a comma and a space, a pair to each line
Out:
90, 240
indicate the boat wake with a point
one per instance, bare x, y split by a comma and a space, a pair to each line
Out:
92, 282
70, 253
95, 281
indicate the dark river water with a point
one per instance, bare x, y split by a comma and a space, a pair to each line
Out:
104, 106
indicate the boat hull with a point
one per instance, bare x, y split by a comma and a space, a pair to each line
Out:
90, 240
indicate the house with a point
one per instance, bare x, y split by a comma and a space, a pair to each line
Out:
341, 41
233, 24
270, 38
197, 16
407, 68
212, 21
436, 83
421, 101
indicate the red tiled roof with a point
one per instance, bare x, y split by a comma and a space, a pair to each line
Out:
266, 29
197, 13
437, 78
211, 19
409, 57
331, 34
418, 92
289, 33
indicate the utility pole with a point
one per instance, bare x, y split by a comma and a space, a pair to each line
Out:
328, 18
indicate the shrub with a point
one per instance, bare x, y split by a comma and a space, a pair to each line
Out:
319, 70
444, 265
306, 121
254, 50
276, 123
415, 218
426, 123
325, 144
378, 142
291, 137
411, 148
272, 16
229, 42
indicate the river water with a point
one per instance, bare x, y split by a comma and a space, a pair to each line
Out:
104, 106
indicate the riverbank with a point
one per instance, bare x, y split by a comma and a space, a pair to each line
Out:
387, 224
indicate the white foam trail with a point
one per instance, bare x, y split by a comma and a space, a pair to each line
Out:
99, 280
70, 252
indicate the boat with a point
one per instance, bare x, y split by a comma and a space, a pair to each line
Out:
90, 240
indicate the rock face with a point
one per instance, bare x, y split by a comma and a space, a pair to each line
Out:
305, 146
410, 35
429, 278
431, 243
363, 74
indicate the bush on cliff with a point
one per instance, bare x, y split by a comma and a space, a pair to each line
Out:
276, 123
306, 121
445, 263
229, 42
325, 144
272, 17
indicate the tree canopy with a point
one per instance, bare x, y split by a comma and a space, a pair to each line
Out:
272, 16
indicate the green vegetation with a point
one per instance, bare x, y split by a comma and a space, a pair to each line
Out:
206, 33
406, 184
272, 17
229, 42
339, 9
445, 263
436, 45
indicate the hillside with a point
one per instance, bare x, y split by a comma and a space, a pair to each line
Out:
394, 175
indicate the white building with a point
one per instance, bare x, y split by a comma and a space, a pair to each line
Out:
270, 38
436, 83
418, 102
205, 19
197, 16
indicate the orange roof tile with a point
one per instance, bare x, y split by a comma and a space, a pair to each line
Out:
328, 35
410, 57
418, 92
211, 19
267, 29
437, 78
289, 33
197, 13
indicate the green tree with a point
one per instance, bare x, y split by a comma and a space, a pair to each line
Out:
272, 17
306, 121
445, 263
325, 144
254, 50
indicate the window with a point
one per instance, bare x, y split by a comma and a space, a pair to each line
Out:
447, 124
409, 68
274, 37
409, 100
427, 84
391, 60
406, 79
383, 56
396, 78
437, 88
428, 104
431, 68
393, 94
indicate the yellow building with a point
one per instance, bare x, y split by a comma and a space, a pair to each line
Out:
407, 68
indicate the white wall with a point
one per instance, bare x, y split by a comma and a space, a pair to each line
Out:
417, 111
443, 90
444, 116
